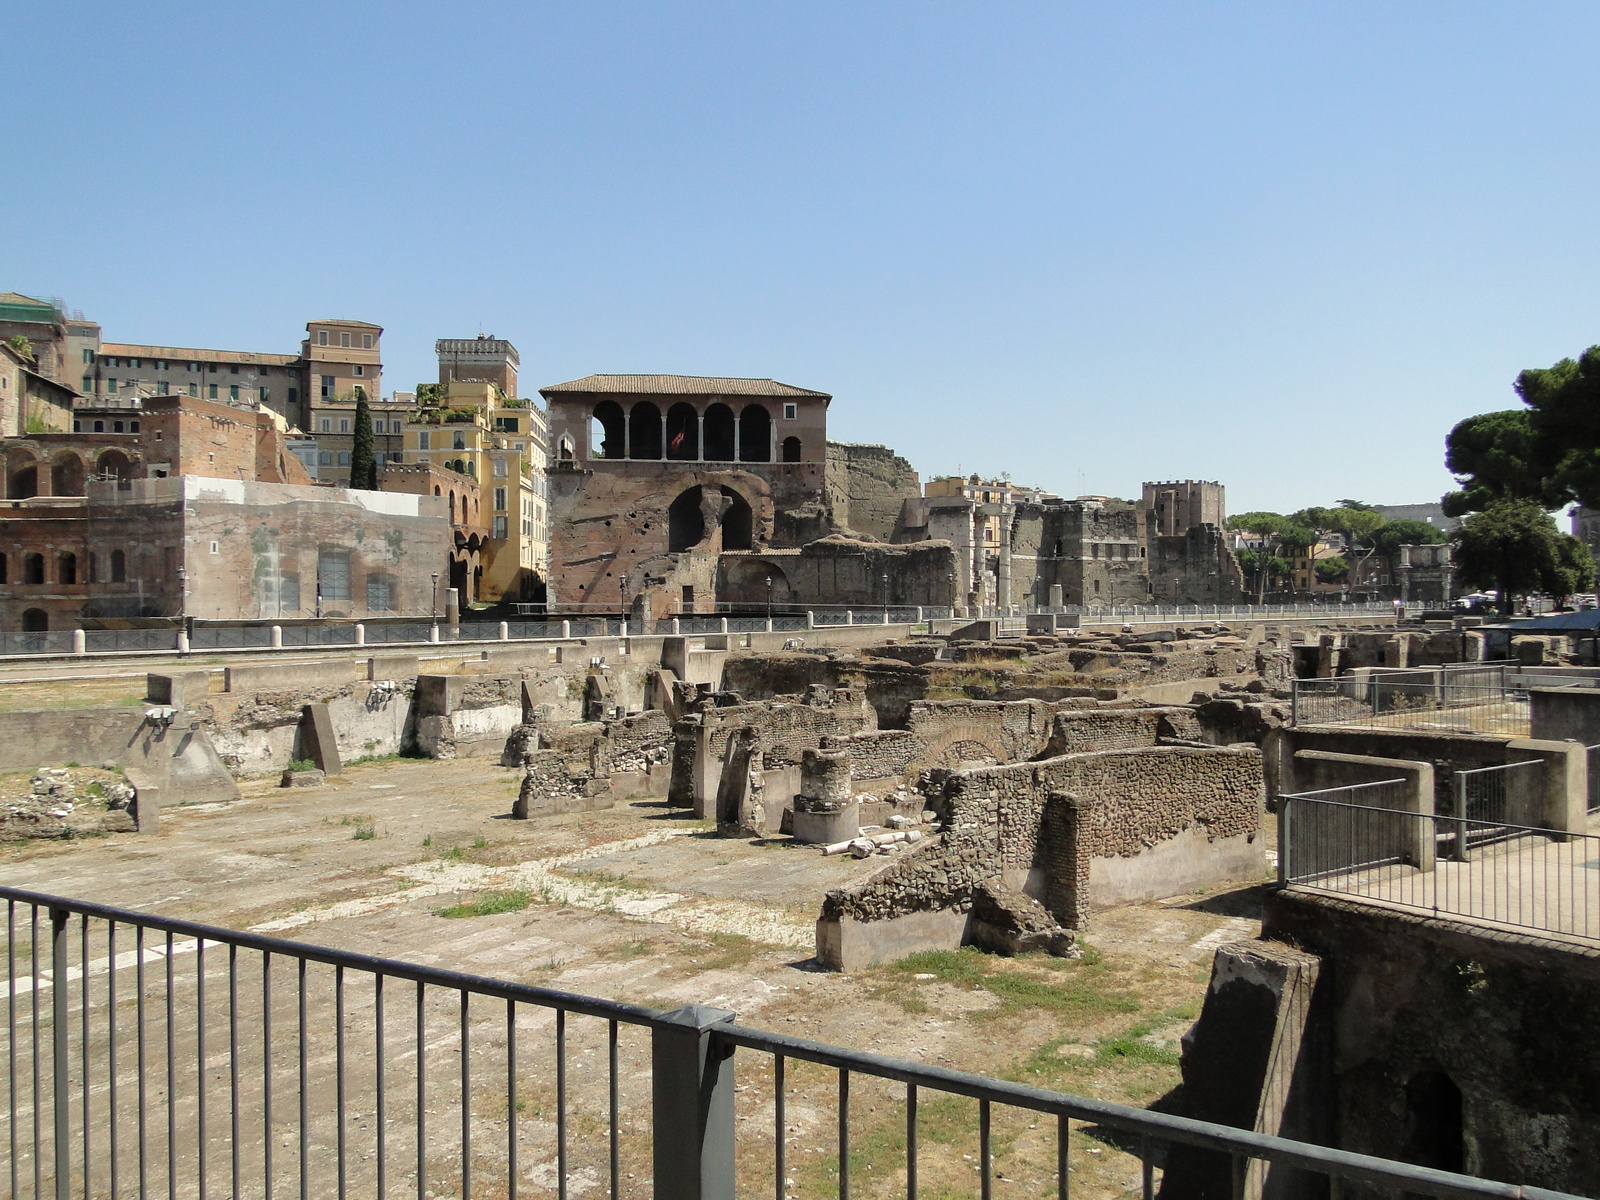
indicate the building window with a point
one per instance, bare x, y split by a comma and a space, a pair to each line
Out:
233, 392
111, 385
33, 568
264, 372
212, 369
263, 393
233, 368
67, 569
423, 440
116, 427
88, 385
99, 426
500, 468
380, 593
194, 366
366, 341
500, 499
344, 458
460, 442
294, 397
333, 574
791, 411
344, 339
506, 424
194, 390
358, 370
325, 458
344, 425
327, 386
500, 527
161, 388
214, 548
322, 337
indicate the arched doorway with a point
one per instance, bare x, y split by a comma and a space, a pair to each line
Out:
746, 583
66, 475
755, 434
1433, 1130
686, 524
737, 523
22, 476
67, 568
607, 431
683, 433
114, 464
35, 620
644, 427
33, 568
718, 434
791, 449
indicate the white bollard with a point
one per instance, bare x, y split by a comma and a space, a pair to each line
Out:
675, 627
623, 632
361, 635
849, 617
919, 614
811, 619
80, 644
724, 624
769, 624
566, 630
433, 633
505, 631
183, 642
276, 637
886, 616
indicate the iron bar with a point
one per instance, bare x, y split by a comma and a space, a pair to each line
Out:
83, 1048
172, 1081
561, 1104
305, 1090
338, 1070
144, 1150
201, 1144
613, 1106
985, 1153
111, 1058
381, 1114
266, 1075
844, 1133
422, 1092
779, 1126
233, 1067
511, 1100
60, 1085
466, 1101
911, 1141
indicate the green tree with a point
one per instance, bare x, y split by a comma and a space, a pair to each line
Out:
1497, 456
1564, 416
1389, 537
363, 464
22, 346
1332, 570
1513, 546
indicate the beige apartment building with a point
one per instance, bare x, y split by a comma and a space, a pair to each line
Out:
498, 444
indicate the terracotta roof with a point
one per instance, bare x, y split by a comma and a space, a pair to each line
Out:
191, 354
680, 385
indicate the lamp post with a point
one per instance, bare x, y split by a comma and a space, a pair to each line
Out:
769, 598
885, 578
952, 578
183, 592
434, 609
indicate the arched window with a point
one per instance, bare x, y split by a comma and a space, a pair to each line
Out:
437, 491
755, 434
686, 525
94, 569
607, 431
737, 521
67, 568
3, 561
35, 620
119, 567
113, 464
644, 426
791, 449
452, 514
683, 433
33, 568
22, 477
718, 434
459, 442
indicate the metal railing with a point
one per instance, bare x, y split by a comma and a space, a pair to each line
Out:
263, 1067
1400, 700
1357, 842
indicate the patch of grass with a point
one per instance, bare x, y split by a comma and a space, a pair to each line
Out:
74, 764
367, 759
364, 833
479, 842
489, 904
427, 841
301, 764
1077, 987
454, 854
633, 950
730, 950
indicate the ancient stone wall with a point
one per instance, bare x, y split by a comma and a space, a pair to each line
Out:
867, 486
1195, 567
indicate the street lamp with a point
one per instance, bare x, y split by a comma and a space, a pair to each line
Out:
769, 597
435, 606
886, 597
952, 578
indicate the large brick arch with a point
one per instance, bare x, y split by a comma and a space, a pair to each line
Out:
941, 743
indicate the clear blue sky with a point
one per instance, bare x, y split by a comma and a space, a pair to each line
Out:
1281, 245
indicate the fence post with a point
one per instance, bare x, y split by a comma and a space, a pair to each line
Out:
1283, 840
849, 617
275, 637
566, 630
811, 619
677, 628
1294, 702
505, 631
1458, 797
692, 1105
59, 1026
183, 642
724, 628
361, 635
80, 644
433, 633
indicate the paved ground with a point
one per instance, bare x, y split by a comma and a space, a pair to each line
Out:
638, 904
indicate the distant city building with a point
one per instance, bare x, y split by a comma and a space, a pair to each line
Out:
1179, 504
1586, 528
1428, 514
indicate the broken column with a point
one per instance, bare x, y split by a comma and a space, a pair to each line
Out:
740, 812
826, 809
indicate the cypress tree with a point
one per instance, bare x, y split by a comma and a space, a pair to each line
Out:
363, 465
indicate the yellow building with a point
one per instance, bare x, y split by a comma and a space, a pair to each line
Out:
475, 430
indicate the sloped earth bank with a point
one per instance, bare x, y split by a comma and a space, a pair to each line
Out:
416, 860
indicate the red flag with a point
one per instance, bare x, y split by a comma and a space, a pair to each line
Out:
676, 442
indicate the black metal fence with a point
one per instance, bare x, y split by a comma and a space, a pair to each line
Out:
1359, 842
151, 1056
1479, 702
